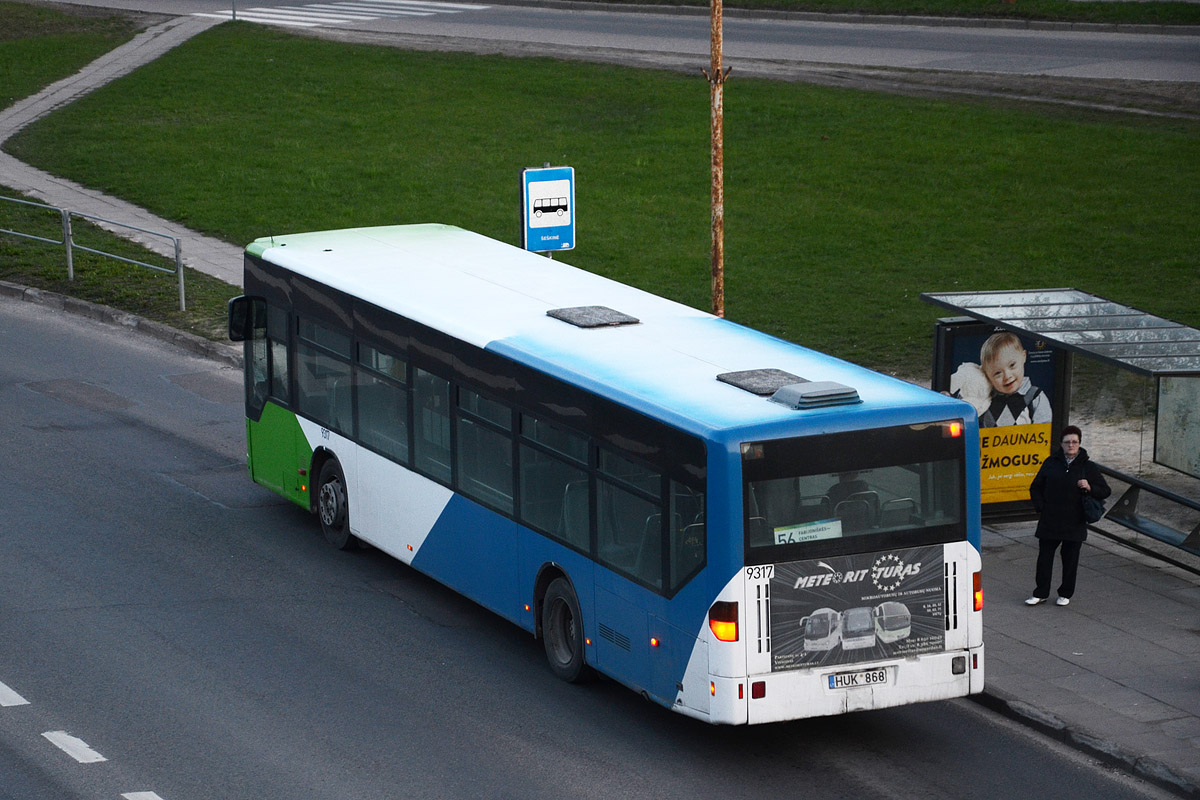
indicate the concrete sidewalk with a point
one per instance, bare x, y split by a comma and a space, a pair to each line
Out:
1116, 673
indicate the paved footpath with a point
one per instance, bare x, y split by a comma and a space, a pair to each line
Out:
202, 253
1115, 674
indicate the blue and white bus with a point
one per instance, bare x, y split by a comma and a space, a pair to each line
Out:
660, 495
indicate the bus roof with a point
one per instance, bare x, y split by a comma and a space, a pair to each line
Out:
497, 296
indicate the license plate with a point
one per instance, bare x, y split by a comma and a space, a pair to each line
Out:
862, 677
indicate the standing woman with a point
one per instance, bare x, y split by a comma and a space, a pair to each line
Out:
1057, 493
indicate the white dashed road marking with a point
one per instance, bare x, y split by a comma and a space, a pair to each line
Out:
74, 747
10, 698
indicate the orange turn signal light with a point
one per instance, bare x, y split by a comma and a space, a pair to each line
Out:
723, 620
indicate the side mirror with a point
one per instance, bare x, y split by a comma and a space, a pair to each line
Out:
247, 318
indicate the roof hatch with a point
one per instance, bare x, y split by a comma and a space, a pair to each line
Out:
764, 382
592, 316
791, 390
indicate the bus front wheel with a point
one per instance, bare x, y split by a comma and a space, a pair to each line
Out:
562, 631
332, 506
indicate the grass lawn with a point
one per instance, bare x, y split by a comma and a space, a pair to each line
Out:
38, 45
841, 206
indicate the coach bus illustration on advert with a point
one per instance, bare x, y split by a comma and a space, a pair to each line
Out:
736, 527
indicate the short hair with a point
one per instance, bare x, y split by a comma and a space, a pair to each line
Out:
1067, 431
997, 342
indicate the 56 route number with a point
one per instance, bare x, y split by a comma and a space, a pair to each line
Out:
760, 573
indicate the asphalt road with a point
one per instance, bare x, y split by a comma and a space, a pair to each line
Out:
160, 612
752, 46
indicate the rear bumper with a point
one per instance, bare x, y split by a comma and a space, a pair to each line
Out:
806, 693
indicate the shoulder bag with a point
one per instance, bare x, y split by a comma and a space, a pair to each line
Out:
1093, 509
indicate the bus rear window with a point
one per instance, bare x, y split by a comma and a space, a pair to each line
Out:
853, 492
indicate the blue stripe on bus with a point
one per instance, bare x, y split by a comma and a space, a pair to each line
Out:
479, 565
495, 562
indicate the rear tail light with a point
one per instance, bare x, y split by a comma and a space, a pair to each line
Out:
723, 620
977, 590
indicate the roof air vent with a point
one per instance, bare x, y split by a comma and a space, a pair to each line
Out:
763, 382
592, 316
816, 394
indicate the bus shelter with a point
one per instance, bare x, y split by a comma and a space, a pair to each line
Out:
1011, 355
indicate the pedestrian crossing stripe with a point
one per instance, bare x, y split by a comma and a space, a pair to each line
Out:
313, 15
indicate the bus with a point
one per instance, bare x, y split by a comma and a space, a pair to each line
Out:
892, 621
822, 630
641, 485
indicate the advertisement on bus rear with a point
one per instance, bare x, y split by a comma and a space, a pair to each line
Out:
865, 607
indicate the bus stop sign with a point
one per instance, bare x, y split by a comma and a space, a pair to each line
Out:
548, 208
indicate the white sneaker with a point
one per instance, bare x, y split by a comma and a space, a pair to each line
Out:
1033, 601
1062, 601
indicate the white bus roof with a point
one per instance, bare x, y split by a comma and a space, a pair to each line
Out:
497, 296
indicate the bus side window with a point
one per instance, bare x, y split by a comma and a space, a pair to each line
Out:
431, 440
688, 533
277, 344
257, 374
554, 482
484, 444
382, 402
628, 522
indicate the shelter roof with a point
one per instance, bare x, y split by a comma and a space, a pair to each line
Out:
1086, 323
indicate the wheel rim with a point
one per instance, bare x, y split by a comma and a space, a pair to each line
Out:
329, 501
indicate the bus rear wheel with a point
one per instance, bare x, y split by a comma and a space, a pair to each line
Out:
562, 632
333, 507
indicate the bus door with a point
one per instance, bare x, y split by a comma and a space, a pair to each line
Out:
279, 453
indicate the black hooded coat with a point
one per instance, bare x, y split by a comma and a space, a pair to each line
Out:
1059, 501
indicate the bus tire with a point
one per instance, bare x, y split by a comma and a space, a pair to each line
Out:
333, 506
562, 632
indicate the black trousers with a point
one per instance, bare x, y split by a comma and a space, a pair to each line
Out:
1045, 566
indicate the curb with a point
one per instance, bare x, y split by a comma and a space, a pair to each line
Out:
1043, 722
198, 345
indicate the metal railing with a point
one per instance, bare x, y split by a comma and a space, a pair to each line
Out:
1125, 512
68, 241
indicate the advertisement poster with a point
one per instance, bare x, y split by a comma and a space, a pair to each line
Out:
847, 609
1012, 380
